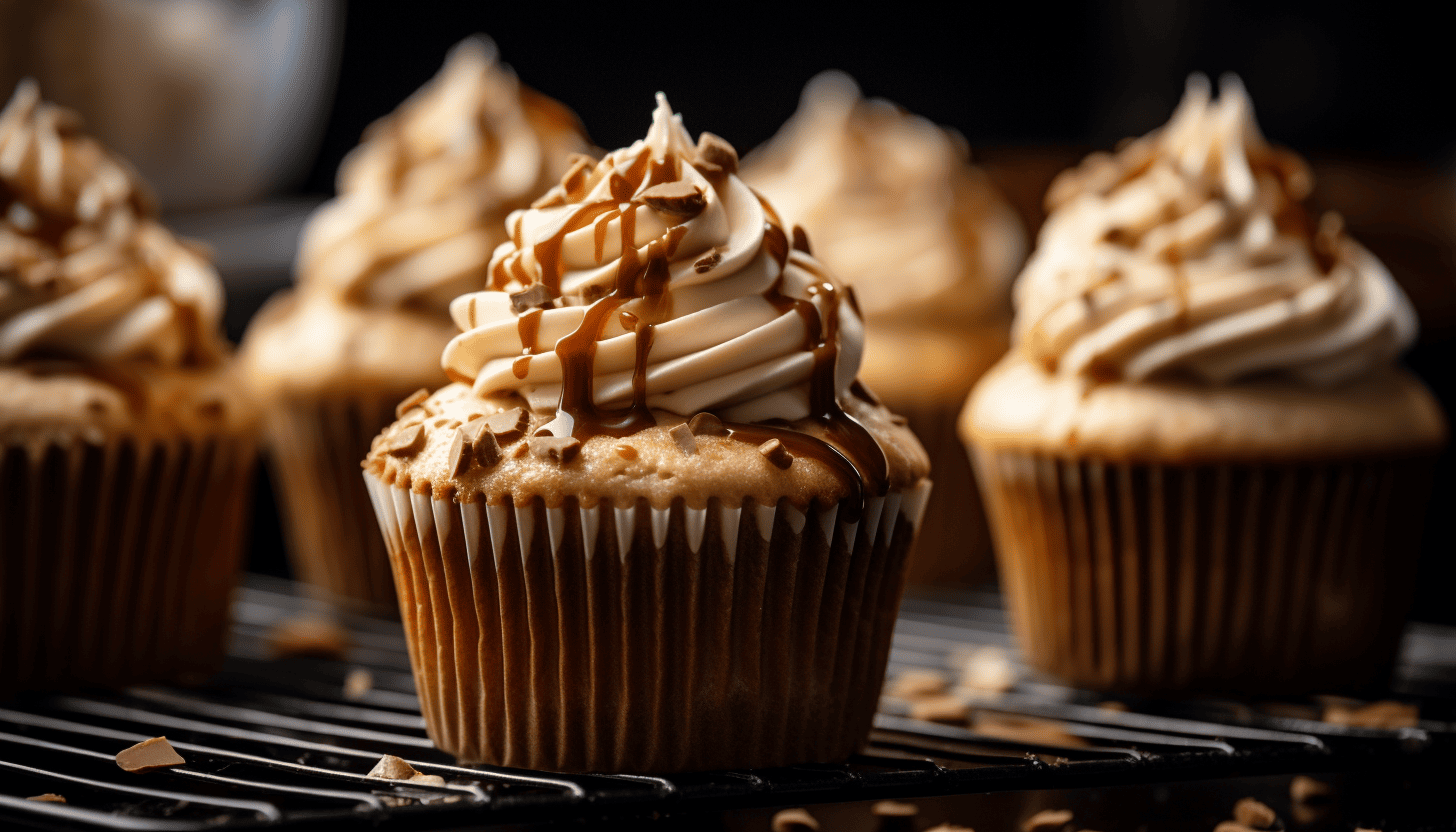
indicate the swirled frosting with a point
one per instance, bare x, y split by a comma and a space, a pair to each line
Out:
86, 271
656, 280
889, 201
422, 200
1188, 253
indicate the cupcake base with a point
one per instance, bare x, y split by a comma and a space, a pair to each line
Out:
646, 640
1247, 578
120, 559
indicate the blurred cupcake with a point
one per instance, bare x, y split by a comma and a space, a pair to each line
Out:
126, 445
655, 525
422, 204
1203, 466
891, 204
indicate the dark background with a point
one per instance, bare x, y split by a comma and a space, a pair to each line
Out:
1364, 92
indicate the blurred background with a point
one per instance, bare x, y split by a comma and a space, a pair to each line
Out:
239, 111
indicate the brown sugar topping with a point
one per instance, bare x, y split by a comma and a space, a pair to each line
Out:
149, 755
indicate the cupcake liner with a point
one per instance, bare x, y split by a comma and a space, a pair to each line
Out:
316, 448
638, 639
1251, 578
120, 559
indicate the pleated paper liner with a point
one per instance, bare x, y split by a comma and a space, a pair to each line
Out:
119, 559
316, 449
646, 640
1242, 578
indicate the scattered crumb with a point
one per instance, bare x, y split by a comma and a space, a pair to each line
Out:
1251, 812
311, 635
989, 669
892, 809
391, 767
1048, 820
918, 683
428, 780
1309, 790
1113, 705
48, 798
942, 708
149, 755
794, 820
1386, 714
1025, 729
1232, 826
358, 684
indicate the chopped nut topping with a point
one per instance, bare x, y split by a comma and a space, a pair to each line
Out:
801, 240
308, 635
706, 424
462, 454
1309, 790
1387, 714
707, 263
683, 435
391, 767
794, 820
487, 450
562, 449
412, 401
1048, 820
677, 199
358, 684
149, 755
1251, 812
944, 708
626, 452
717, 151
405, 441
774, 451
918, 683
532, 297
508, 425
48, 797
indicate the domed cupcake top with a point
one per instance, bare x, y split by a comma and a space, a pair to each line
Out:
1188, 253
86, 271
657, 280
890, 201
422, 200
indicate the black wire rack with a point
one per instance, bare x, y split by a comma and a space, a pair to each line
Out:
284, 743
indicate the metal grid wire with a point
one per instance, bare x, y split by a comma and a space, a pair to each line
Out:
276, 743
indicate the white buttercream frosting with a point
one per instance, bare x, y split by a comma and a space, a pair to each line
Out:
1188, 253
86, 271
423, 198
736, 321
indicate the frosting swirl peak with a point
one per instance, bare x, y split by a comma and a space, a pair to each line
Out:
1188, 253
87, 273
656, 280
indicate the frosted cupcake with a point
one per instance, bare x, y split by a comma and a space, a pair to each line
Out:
654, 524
126, 446
421, 206
1204, 468
891, 204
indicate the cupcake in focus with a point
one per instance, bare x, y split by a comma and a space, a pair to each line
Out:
1204, 467
422, 204
126, 444
892, 205
654, 524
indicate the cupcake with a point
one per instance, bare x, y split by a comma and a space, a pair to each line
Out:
891, 205
1203, 466
421, 206
654, 524
126, 445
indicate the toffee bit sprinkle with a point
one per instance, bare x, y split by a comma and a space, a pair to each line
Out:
707, 263
149, 755
717, 151
1251, 812
48, 797
508, 425
533, 297
562, 449
801, 240
677, 199
414, 400
462, 454
706, 424
487, 450
774, 451
406, 441
626, 452
683, 436
1049, 820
